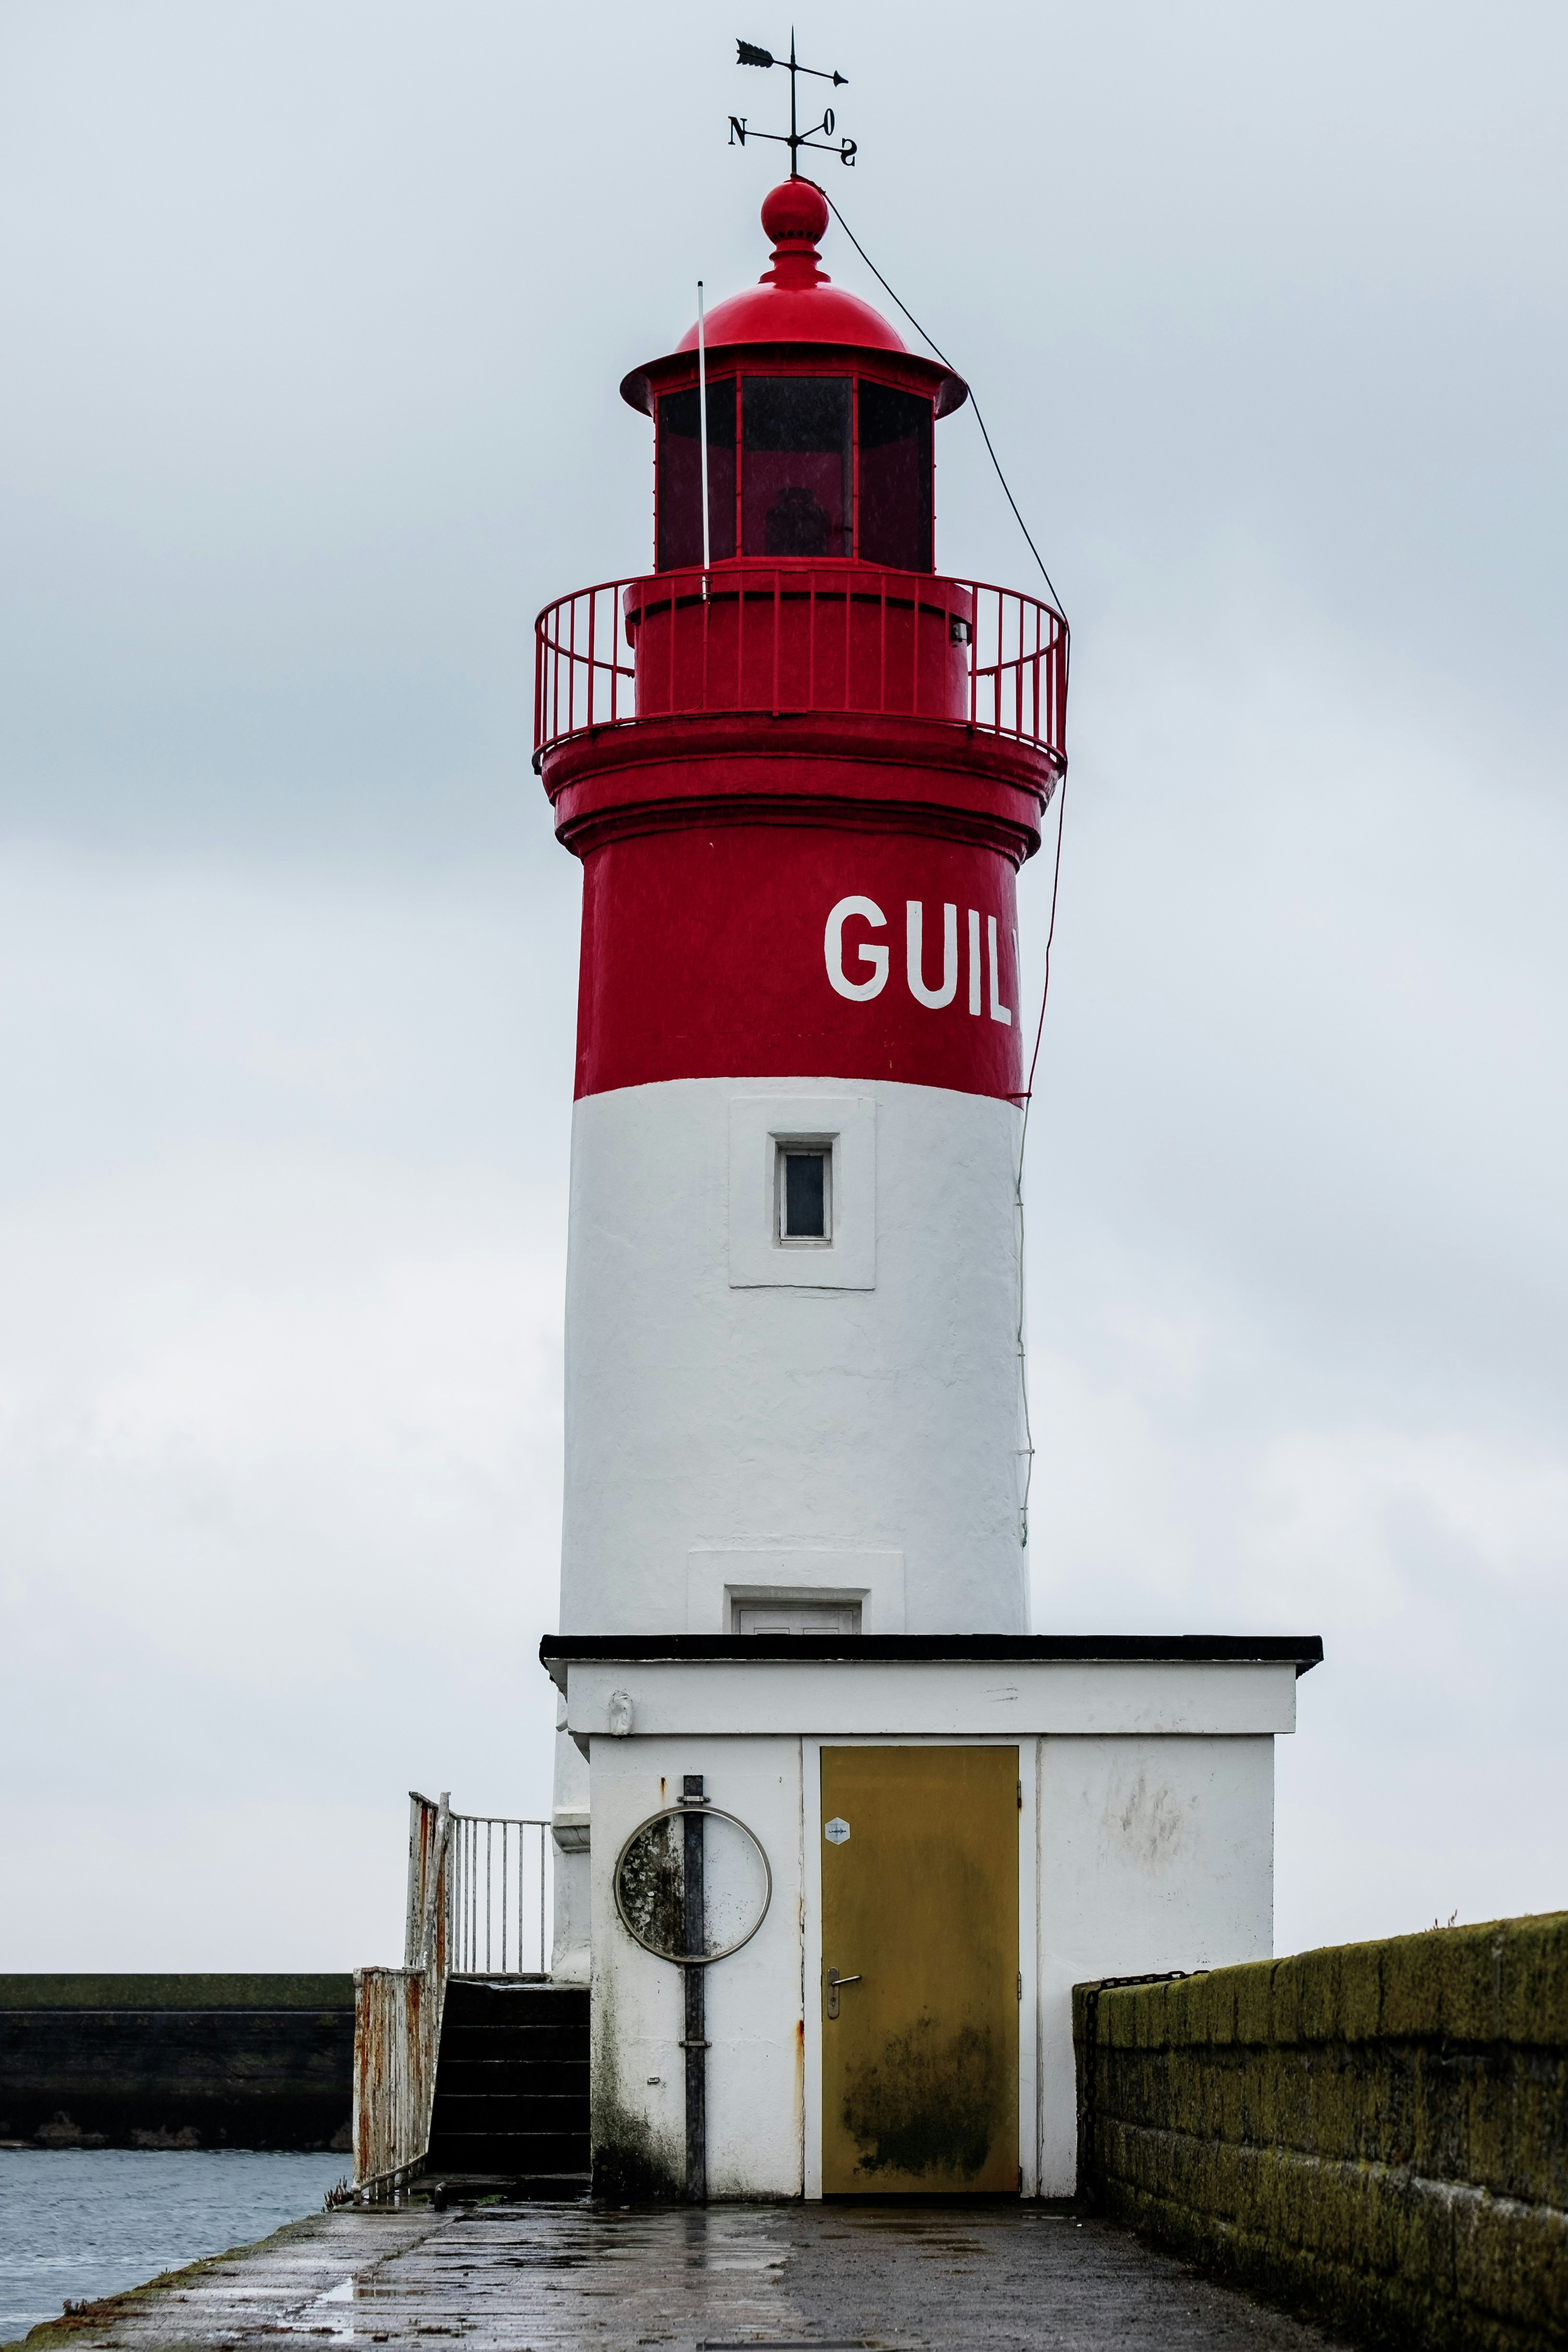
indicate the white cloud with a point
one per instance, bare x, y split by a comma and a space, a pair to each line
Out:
279, 1411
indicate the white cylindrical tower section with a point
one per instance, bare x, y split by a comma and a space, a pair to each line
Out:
765, 1427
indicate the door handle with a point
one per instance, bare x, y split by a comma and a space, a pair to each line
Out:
834, 1981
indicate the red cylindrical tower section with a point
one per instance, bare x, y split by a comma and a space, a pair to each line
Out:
844, 907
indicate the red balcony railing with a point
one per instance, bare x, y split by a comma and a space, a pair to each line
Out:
796, 638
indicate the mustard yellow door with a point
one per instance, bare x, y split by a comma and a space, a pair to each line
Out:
920, 1963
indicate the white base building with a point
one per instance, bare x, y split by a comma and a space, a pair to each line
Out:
1110, 1804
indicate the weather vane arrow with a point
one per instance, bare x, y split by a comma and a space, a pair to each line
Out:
747, 53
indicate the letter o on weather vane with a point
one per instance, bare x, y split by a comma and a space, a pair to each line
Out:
870, 952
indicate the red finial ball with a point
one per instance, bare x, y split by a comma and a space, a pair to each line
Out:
794, 213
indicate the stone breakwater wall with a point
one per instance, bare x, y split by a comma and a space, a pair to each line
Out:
176, 2061
1378, 2132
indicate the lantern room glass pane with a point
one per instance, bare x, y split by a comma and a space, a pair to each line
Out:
796, 469
895, 478
680, 476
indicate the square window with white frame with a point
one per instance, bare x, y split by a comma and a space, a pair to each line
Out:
803, 1192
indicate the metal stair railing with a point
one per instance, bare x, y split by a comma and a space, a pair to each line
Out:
499, 1895
474, 1900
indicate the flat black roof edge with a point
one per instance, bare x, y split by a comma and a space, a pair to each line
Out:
1305, 1650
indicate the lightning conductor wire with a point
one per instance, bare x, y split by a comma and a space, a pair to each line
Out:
1027, 1448
979, 419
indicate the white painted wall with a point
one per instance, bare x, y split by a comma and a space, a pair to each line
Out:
707, 1410
1145, 1851
932, 1698
571, 1959
1231, 1707
755, 2069
1153, 1854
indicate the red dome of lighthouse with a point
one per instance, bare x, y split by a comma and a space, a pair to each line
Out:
796, 302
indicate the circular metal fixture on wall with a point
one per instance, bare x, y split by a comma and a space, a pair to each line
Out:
649, 1887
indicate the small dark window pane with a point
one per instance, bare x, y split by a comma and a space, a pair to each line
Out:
795, 477
895, 478
805, 1196
680, 476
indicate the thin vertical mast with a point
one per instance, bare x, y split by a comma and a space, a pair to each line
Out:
702, 428
794, 132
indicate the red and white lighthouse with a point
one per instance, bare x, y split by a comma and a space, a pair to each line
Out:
801, 781
809, 1745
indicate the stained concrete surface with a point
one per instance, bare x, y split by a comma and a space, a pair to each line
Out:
573, 2278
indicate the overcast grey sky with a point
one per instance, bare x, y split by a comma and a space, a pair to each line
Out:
315, 313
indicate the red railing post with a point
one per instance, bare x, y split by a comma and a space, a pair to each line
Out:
707, 632
973, 648
811, 643
915, 652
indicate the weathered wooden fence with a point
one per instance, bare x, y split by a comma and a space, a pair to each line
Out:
397, 2017
479, 1906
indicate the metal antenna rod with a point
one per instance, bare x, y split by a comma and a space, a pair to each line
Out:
794, 134
702, 427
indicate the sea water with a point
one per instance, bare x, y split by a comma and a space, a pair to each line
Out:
81, 2222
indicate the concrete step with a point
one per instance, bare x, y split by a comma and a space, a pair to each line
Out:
528, 2043
543, 2187
547, 2078
511, 2086
515, 2001
512, 2110
514, 2153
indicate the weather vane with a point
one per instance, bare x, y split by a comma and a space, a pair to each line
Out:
747, 53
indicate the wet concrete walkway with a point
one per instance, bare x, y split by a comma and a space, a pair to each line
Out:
546, 2278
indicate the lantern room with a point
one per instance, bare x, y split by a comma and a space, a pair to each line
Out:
819, 422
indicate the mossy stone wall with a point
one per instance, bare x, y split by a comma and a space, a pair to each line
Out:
176, 2061
1376, 2131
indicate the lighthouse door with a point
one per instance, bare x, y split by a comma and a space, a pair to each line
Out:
920, 1961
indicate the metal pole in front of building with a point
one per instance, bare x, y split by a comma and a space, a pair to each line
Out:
696, 1975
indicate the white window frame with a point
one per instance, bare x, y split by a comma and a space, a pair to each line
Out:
784, 1148
761, 1127
798, 1600
720, 1575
